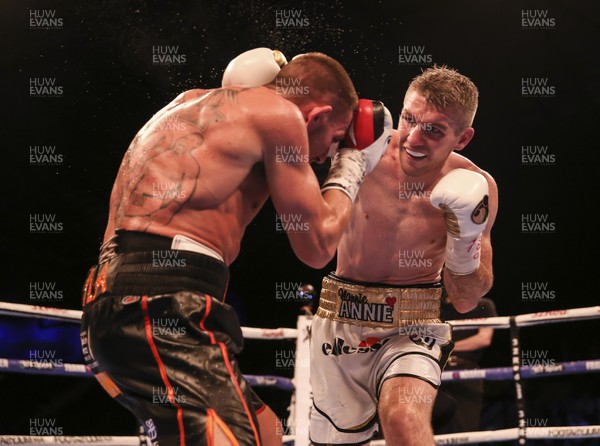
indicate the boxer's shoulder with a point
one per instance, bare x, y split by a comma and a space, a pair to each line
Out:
189, 95
195, 93
457, 161
268, 104
273, 115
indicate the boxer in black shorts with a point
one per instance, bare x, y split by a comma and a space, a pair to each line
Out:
156, 340
156, 331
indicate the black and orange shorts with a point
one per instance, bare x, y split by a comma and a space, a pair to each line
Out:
168, 354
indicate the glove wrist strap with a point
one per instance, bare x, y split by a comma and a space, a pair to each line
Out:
463, 254
346, 173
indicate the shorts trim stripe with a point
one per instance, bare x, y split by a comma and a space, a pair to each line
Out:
381, 381
212, 417
408, 375
369, 424
162, 370
234, 380
208, 300
210, 435
341, 444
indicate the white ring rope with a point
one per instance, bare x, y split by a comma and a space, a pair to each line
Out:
522, 320
269, 333
23, 310
87, 440
533, 433
526, 320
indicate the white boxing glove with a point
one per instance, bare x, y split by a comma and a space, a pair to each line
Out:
366, 141
346, 173
253, 68
463, 196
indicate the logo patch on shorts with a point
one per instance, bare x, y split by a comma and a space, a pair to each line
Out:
426, 341
127, 300
150, 429
339, 347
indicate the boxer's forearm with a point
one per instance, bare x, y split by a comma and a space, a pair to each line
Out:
317, 246
467, 290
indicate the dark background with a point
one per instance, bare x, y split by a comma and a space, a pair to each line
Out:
102, 57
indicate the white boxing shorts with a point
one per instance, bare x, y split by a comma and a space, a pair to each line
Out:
362, 335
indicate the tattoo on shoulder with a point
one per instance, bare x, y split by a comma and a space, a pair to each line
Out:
217, 98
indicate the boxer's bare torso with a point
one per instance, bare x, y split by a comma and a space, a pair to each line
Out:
197, 167
395, 235
183, 173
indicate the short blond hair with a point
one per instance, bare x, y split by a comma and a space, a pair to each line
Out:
445, 87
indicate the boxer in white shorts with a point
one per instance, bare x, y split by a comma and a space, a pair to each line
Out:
357, 332
423, 217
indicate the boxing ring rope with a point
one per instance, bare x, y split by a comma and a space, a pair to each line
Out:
32, 367
533, 433
84, 440
522, 320
59, 314
516, 372
527, 320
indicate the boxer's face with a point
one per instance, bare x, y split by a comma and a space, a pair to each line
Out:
427, 135
330, 130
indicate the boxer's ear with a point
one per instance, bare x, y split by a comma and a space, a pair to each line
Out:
317, 116
465, 137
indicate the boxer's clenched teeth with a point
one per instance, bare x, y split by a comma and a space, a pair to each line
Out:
414, 154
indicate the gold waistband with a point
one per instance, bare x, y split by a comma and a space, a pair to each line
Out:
384, 307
